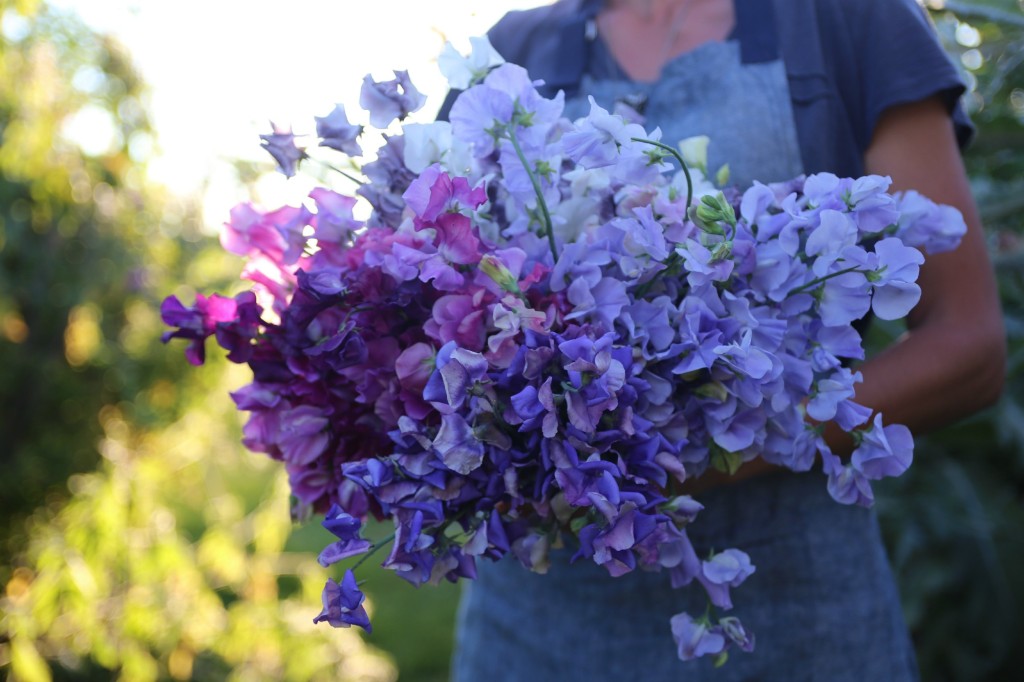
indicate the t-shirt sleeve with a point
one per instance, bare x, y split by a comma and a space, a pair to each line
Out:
901, 60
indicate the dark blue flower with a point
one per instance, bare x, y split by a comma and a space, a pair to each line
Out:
343, 604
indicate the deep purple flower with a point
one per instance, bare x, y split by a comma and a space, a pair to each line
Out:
234, 320
303, 435
343, 604
346, 527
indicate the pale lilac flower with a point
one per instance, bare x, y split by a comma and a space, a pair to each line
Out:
388, 100
336, 132
694, 638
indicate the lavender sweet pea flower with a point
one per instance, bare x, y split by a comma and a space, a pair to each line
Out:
482, 115
694, 638
836, 232
596, 139
884, 450
846, 484
830, 392
895, 290
343, 604
334, 222
723, 571
925, 224
873, 208
844, 298
281, 145
479, 116
703, 266
463, 72
336, 132
388, 100
603, 302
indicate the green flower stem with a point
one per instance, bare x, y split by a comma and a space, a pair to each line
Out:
679, 157
330, 166
373, 548
820, 280
537, 190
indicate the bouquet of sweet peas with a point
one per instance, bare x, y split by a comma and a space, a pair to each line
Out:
543, 329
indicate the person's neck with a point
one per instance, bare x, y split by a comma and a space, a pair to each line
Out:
644, 35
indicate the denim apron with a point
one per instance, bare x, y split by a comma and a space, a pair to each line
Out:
822, 602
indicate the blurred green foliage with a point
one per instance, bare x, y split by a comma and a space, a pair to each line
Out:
175, 558
169, 563
85, 245
955, 522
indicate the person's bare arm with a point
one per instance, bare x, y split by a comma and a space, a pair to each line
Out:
951, 362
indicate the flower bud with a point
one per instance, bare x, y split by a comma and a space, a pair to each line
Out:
695, 151
496, 270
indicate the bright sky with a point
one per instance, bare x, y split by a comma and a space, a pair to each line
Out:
219, 70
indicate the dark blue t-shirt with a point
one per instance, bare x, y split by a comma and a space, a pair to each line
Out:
847, 61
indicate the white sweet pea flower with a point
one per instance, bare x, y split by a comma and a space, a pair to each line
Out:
695, 151
430, 143
462, 71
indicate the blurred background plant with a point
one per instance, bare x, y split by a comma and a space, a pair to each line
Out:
139, 541
955, 523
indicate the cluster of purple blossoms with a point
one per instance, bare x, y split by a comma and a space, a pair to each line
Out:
536, 339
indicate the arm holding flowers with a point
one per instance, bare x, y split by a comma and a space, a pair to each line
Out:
951, 362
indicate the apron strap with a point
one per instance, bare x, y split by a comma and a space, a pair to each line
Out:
756, 31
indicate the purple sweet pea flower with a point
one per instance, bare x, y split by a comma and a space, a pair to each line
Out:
334, 222
830, 392
303, 435
343, 604
436, 192
459, 448
336, 132
346, 527
884, 451
925, 224
596, 140
723, 571
872, 206
388, 100
844, 298
895, 290
234, 320
694, 638
836, 232
281, 145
